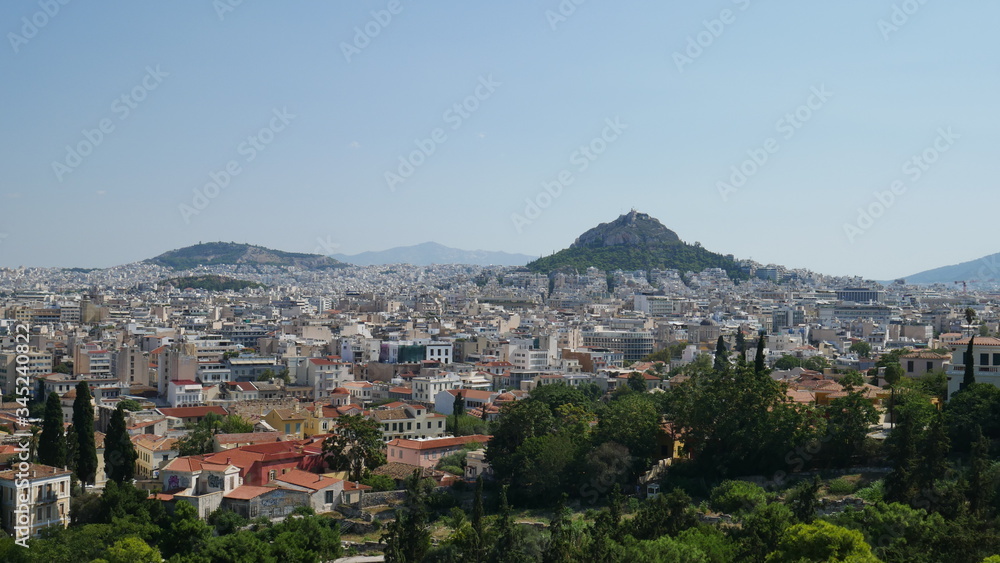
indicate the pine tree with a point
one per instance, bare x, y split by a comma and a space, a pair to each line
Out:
52, 446
119, 452
970, 368
758, 362
83, 422
721, 355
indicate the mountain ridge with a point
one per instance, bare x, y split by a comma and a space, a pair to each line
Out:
427, 253
984, 269
232, 253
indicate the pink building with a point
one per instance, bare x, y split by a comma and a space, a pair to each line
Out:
427, 453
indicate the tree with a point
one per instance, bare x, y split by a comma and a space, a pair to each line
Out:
741, 344
634, 422
861, 348
721, 355
355, 446
761, 531
186, 533
758, 362
509, 544
52, 445
72, 446
787, 362
822, 542
119, 452
130, 405
408, 538
83, 423
970, 366
849, 420
199, 439
637, 382
667, 514
804, 500
266, 375
740, 420
133, 550
457, 410
730, 497
980, 494
816, 363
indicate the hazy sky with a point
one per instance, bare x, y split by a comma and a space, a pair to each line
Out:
312, 106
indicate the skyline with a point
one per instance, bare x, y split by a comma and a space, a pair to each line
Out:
389, 123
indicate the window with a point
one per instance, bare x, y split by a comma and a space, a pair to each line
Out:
930, 365
271, 475
984, 359
909, 366
329, 497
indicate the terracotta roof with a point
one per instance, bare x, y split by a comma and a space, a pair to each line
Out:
247, 492
187, 412
249, 437
979, 341
35, 471
437, 443
928, 355
306, 479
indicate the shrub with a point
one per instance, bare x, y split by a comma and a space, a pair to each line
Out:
734, 496
841, 486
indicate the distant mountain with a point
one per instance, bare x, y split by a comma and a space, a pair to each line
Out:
984, 269
635, 241
429, 253
231, 253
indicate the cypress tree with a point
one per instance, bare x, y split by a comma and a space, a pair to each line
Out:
979, 494
741, 345
758, 362
721, 355
52, 446
970, 368
119, 453
479, 549
83, 423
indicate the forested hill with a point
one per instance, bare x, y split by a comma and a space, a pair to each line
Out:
635, 241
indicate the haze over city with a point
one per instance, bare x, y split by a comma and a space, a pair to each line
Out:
757, 129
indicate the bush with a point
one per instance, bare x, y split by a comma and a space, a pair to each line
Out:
379, 483
872, 493
735, 496
841, 486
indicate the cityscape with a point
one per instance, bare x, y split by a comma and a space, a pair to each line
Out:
566, 281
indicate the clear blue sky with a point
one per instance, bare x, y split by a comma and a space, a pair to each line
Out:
322, 177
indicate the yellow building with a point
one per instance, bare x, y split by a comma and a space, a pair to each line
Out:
153, 453
288, 421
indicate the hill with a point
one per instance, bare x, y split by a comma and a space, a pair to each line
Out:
983, 269
212, 283
635, 241
428, 253
231, 253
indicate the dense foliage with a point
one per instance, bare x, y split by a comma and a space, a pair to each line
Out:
126, 525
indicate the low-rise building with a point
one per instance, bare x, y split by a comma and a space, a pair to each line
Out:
34, 499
